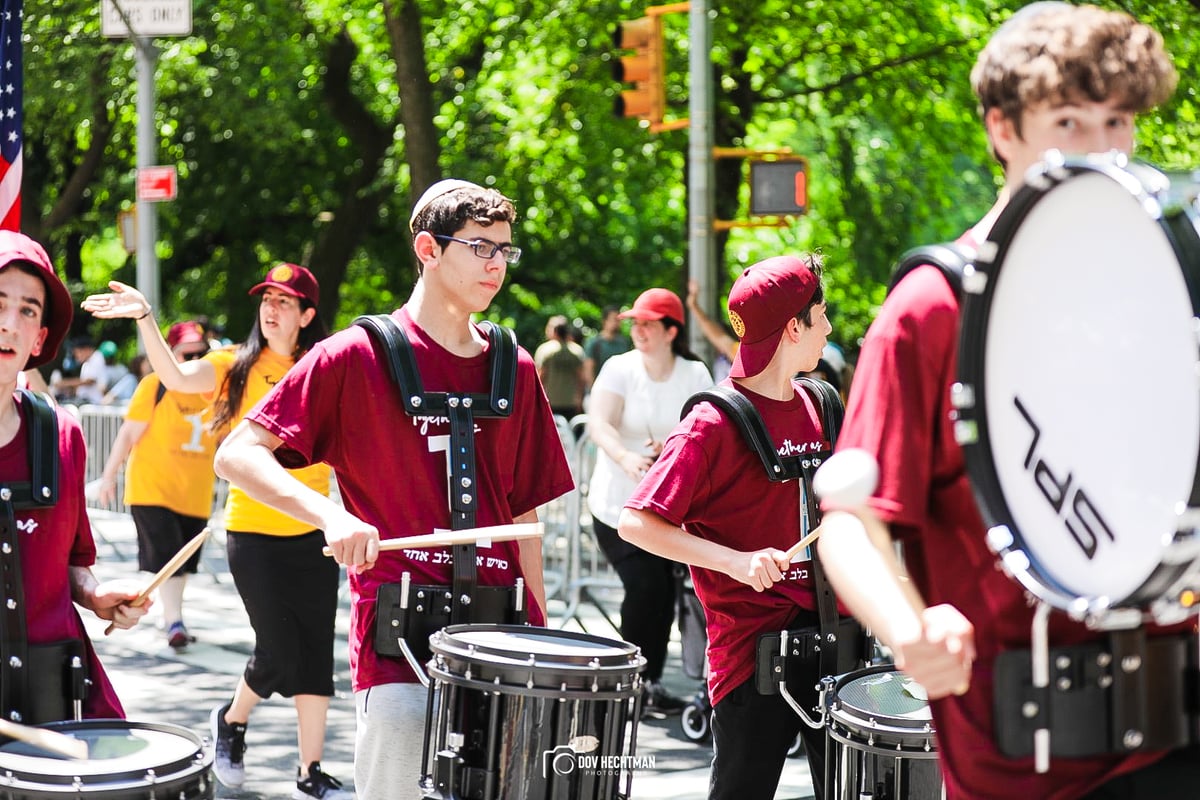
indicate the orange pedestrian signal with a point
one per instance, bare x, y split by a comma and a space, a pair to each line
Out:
778, 187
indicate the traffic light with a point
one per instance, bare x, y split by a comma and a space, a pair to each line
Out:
644, 69
778, 187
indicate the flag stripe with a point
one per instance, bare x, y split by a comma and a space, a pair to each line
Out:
11, 113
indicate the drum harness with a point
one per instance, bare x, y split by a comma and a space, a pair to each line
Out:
1119, 695
407, 614
38, 683
840, 644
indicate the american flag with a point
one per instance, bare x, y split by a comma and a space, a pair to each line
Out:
10, 114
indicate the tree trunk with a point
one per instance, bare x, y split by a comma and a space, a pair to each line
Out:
421, 141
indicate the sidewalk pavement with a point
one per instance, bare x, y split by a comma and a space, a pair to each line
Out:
159, 685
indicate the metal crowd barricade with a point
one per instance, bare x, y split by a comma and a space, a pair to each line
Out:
591, 580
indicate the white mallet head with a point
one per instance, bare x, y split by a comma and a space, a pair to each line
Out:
847, 479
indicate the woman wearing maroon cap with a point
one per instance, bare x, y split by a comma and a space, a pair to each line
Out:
288, 586
169, 480
635, 402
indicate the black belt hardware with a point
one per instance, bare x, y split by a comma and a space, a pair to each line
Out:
1118, 695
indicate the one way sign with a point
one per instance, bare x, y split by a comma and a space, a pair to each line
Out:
155, 184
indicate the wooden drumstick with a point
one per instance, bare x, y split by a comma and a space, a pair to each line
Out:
50, 741
169, 569
495, 533
792, 551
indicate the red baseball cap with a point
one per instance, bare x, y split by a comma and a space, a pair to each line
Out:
293, 279
761, 302
655, 304
184, 333
59, 310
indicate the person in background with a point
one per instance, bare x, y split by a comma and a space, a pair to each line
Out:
635, 403
92, 382
560, 367
288, 586
604, 345
1054, 76
723, 343
121, 391
169, 480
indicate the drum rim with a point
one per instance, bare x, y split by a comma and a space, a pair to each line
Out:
445, 640
183, 769
1004, 536
879, 723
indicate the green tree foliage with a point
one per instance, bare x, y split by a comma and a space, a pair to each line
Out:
302, 128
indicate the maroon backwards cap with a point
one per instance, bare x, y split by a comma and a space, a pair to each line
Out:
59, 310
761, 302
293, 279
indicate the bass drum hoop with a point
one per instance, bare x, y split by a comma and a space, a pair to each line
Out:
494, 667
878, 733
90, 778
1005, 537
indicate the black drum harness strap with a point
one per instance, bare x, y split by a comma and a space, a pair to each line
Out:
462, 409
824, 643
41, 491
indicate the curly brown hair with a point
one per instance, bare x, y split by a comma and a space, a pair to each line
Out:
1057, 53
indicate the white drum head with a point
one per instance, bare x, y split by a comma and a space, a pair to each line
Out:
1091, 329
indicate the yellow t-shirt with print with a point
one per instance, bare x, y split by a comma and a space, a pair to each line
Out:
171, 464
242, 513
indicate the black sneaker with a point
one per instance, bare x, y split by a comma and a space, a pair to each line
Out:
657, 700
229, 741
319, 785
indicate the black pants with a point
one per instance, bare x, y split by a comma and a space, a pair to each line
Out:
751, 737
1176, 777
648, 608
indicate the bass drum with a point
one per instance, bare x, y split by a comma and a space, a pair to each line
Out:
126, 761
1079, 387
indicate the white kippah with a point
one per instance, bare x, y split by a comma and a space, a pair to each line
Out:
437, 190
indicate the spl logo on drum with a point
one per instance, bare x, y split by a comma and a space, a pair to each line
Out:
567, 759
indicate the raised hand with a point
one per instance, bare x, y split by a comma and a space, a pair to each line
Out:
123, 302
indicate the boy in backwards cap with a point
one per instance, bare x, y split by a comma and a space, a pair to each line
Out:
708, 502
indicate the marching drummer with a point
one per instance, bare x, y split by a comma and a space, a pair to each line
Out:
708, 502
1055, 76
340, 405
48, 667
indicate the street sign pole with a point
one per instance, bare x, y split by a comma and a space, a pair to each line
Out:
147, 213
701, 244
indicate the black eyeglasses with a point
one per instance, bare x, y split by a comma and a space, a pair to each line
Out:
485, 249
192, 356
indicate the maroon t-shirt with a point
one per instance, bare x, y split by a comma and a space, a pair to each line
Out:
51, 540
899, 411
339, 406
709, 481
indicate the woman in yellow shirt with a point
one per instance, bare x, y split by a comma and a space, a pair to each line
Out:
288, 587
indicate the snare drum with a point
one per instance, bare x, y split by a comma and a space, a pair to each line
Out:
126, 761
881, 739
529, 713
1079, 389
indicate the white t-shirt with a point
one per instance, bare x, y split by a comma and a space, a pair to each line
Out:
651, 411
95, 368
